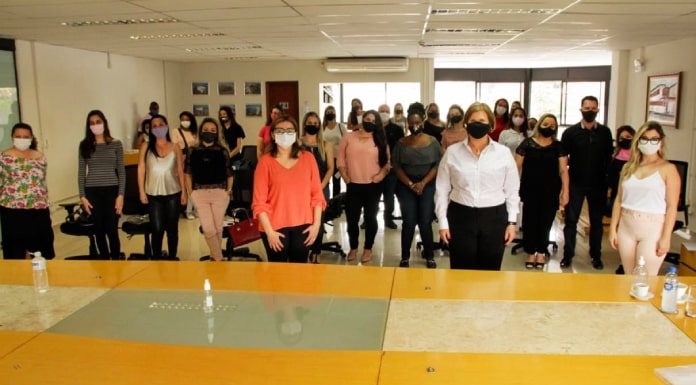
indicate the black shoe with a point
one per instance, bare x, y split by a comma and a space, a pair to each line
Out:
597, 264
566, 262
362, 226
430, 263
390, 224
620, 270
403, 263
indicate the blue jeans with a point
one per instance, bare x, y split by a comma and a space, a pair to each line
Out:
390, 182
416, 210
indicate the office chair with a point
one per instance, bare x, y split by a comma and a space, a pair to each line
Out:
334, 209
682, 206
78, 223
138, 220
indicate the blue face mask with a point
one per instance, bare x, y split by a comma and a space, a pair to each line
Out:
160, 132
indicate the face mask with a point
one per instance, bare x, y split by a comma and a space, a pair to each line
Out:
311, 129
384, 116
369, 126
160, 132
330, 117
546, 132
97, 129
286, 140
433, 114
648, 148
455, 119
500, 110
154, 112
21, 144
415, 130
517, 121
398, 112
185, 124
625, 143
478, 130
208, 137
589, 116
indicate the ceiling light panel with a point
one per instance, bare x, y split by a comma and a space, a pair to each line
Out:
481, 31
234, 14
119, 22
167, 36
493, 11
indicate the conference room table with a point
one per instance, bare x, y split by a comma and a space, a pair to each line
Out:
140, 322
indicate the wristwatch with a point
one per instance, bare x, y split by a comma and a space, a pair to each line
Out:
512, 223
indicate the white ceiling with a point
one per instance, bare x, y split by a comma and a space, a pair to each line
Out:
500, 33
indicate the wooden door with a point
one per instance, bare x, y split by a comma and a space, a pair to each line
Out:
285, 93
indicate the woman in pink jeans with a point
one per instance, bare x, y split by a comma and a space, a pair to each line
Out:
646, 203
209, 179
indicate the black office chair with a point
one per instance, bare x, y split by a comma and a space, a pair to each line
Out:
138, 220
334, 209
78, 223
682, 206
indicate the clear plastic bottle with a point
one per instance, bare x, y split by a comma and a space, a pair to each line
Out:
208, 304
640, 286
38, 265
669, 291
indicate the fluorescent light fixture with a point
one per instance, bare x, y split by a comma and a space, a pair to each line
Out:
475, 30
177, 36
424, 44
96, 23
492, 11
223, 49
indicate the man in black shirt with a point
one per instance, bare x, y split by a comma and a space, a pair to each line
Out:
394, 132
589, 147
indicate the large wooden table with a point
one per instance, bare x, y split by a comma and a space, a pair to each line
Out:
40, 356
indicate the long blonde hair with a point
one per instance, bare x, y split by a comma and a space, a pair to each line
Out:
543, 117
636, 156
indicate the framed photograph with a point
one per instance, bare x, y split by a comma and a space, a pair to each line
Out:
225, 88
201, 110
662, 104
253, 109
231, 106
252, 88
199, 88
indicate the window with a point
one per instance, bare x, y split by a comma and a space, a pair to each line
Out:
466, 92
372, 95
490, 92
448, 93
9, 105
563, 99
575, 91
545, 97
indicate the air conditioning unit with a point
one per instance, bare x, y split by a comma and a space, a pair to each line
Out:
366, 64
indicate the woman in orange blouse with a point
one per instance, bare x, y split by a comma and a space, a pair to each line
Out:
288, 199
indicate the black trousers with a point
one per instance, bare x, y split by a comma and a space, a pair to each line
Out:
359, 197
164, 217
26, 230
294, 249
103, 200
335, 183
477, 236
596, 200
538, 213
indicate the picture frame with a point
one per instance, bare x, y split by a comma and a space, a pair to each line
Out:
663, 98
199, 88
201, 110
226, 88
233, 107
253, 110
252, 88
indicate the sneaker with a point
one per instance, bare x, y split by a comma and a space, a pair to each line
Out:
430, 263
566, 262
404, 263
597, 264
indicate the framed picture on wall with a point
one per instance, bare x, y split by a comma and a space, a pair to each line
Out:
201, 110
663, 97
253, 109
231, 106
252, 88
225, 88
199, 88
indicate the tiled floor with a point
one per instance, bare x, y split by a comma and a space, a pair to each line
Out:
386, 250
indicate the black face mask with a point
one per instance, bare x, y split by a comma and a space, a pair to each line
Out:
369, 126
330, 117
455, 119
208, 137
589, 116
398, 112
546, 132
224, 119
478, 130
433, 114
625, 143
311, 129
154, 112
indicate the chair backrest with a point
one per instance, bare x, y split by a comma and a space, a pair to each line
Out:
249, 154
683, 169
131, 198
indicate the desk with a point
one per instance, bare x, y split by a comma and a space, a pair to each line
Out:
9, 341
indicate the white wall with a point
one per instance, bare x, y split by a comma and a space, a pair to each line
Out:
58, 86
308, 73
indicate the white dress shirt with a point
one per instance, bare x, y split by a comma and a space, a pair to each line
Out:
487, 181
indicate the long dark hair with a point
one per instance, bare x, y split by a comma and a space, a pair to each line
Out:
278, 107
230, 114
506, 115
219, 139
379, 137
193, 128
89, 143
151, 143
296, 148
23, 126
525, 124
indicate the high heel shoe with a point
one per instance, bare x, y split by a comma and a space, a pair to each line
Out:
540, 265
529, 265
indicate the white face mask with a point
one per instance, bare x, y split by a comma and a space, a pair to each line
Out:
384, 116
500, 110
517, 121
359, 119
649, 148
285, 140
97, 129
185, 124
22, 144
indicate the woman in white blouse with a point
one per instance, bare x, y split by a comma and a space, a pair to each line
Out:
476, 197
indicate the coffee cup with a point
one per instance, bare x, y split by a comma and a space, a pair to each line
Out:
681, 292
641, 290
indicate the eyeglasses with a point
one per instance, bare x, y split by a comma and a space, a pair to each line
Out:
649, 140
284, 132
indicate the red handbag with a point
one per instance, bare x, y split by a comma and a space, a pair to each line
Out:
243, 231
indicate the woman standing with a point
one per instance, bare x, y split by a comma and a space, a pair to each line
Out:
622, 153
209, 178
433, 126
263, 143
516, 132
502, 118
399, 119
25, 217
363, 160
455, 131
543, 186
232, 132
102, 182
355, 115
186, 136
288, 200
645, 208
477, 210
333, 133
160, 179
415, 160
